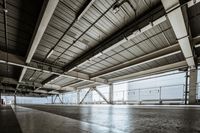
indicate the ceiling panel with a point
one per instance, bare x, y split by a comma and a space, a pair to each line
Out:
149, 65
21, 20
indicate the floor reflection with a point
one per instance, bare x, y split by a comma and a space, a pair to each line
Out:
137, 119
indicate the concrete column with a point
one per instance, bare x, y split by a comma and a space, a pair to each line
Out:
111, 93
78, 96
62, 98
0, 98
186, 87
52, 99
15, 100
193, 86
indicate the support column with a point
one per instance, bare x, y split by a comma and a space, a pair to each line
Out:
186, 87
78, 96
63, 98
111, 93
0, 97
52, 99
193, 86
15, 102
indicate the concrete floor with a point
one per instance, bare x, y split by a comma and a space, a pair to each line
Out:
99, 119
107, 119
8, 120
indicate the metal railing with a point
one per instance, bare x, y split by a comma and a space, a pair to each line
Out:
158, 94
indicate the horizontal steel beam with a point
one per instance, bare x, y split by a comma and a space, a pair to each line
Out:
77, 83
52, 77
22, 90
91, 85
84, 9
162, 53
44, 17
3, 87
153, 71
179, 22
74, 83
38, 66
12, 81
121, 35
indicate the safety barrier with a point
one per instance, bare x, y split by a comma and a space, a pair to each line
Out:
160, 94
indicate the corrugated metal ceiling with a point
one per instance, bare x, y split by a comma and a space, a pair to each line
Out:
69, 39
21, 20
97, 23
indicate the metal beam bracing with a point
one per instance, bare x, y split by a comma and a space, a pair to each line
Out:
55, 99
60, 99
153, 71
143, 23
104, 98
162, 53
178, 19
85, 95
44, 17
41, 67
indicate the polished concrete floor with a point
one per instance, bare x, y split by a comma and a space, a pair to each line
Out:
107, 119
99, 119
8, 120
34, 121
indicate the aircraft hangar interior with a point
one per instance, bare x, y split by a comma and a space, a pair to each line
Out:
99, 66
